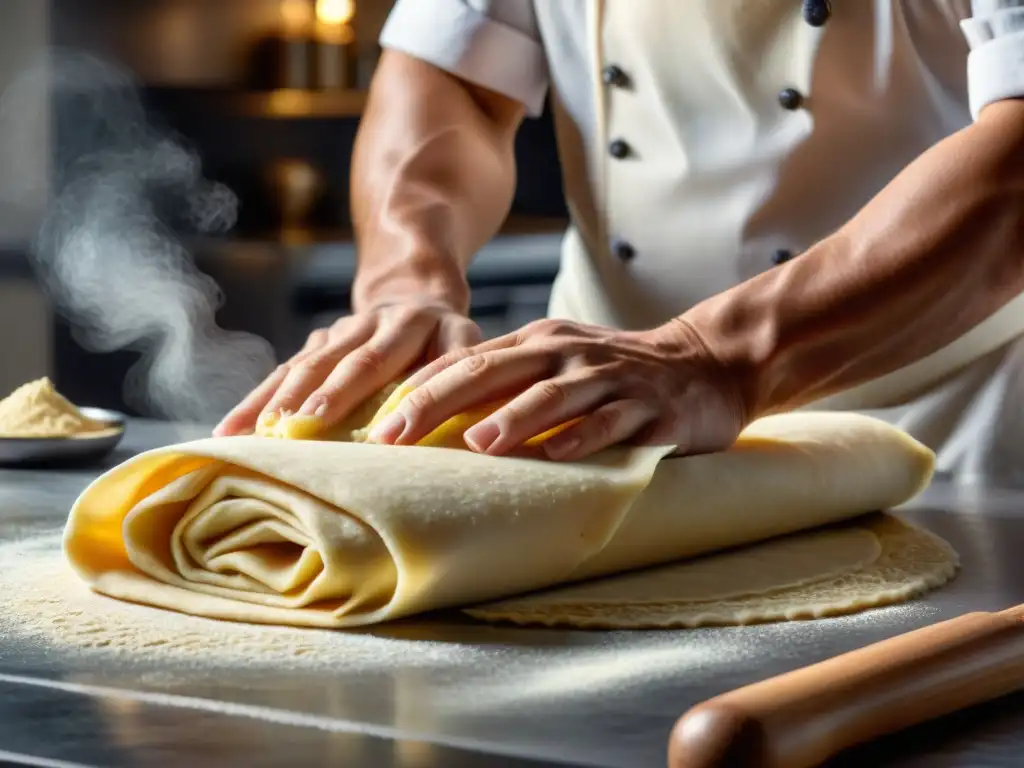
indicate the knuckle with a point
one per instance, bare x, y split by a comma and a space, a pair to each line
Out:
365, 360
448, 359
404, 314
432, 369
605, 421
475, 365
523, 335
315, 362
533, 330
560, 328
318, 337
420, 399
551, 393
553, 327
542, 327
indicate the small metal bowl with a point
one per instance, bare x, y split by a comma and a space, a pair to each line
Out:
49, 451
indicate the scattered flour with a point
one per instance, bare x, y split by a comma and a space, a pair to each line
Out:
43, 601
45, 605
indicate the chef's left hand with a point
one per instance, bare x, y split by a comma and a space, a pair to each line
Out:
660, 387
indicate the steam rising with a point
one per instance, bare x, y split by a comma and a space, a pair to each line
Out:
107, 251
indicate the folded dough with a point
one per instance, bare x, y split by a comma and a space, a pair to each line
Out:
341, 534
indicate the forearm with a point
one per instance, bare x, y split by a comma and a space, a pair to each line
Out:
432, 181
940, 249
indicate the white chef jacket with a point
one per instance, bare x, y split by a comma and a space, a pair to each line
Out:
706, 141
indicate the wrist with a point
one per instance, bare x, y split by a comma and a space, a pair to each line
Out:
783, 335
685, 344
420, 279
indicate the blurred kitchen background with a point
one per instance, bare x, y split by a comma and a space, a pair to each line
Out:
268, 93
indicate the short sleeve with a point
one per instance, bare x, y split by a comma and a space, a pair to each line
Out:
995, 67
491, 43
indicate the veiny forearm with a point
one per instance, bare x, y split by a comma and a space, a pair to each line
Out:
433, 179
940, 249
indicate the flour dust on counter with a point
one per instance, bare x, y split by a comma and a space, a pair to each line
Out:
42, 602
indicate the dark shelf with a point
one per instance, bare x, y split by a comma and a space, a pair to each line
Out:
282, 104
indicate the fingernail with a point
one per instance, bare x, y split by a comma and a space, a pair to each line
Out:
557, 447
389, 430
481, 436
313, 407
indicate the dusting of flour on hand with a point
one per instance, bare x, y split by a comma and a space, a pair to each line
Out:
43, 602
354, 428
37, 409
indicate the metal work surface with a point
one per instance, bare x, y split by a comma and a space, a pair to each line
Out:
475, 695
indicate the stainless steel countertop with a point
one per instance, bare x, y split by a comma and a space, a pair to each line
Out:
502, 697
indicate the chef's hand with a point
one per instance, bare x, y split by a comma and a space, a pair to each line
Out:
659, 387
342, 366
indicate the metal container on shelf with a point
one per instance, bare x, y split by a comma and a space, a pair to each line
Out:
336, 65
296, 185
286, 58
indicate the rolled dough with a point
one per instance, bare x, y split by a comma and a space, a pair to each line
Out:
342, 534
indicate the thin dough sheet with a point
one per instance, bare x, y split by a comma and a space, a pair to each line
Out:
864, 563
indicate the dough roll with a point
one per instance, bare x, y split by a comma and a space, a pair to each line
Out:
338, 534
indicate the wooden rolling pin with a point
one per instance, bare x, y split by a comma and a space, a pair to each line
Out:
803, 718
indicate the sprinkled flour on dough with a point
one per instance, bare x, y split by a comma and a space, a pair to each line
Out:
42, 600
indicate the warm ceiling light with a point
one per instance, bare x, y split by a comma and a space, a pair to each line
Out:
335, 11
296, 16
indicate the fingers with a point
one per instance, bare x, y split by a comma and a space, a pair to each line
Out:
545, 405
474, 381
314, 341
310, 371
611, 424
242, 418
365, 370
452, 357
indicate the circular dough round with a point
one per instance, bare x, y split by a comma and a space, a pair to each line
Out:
871, 561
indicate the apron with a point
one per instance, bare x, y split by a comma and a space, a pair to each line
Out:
698, 176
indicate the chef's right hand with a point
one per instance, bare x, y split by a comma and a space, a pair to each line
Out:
342, 366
